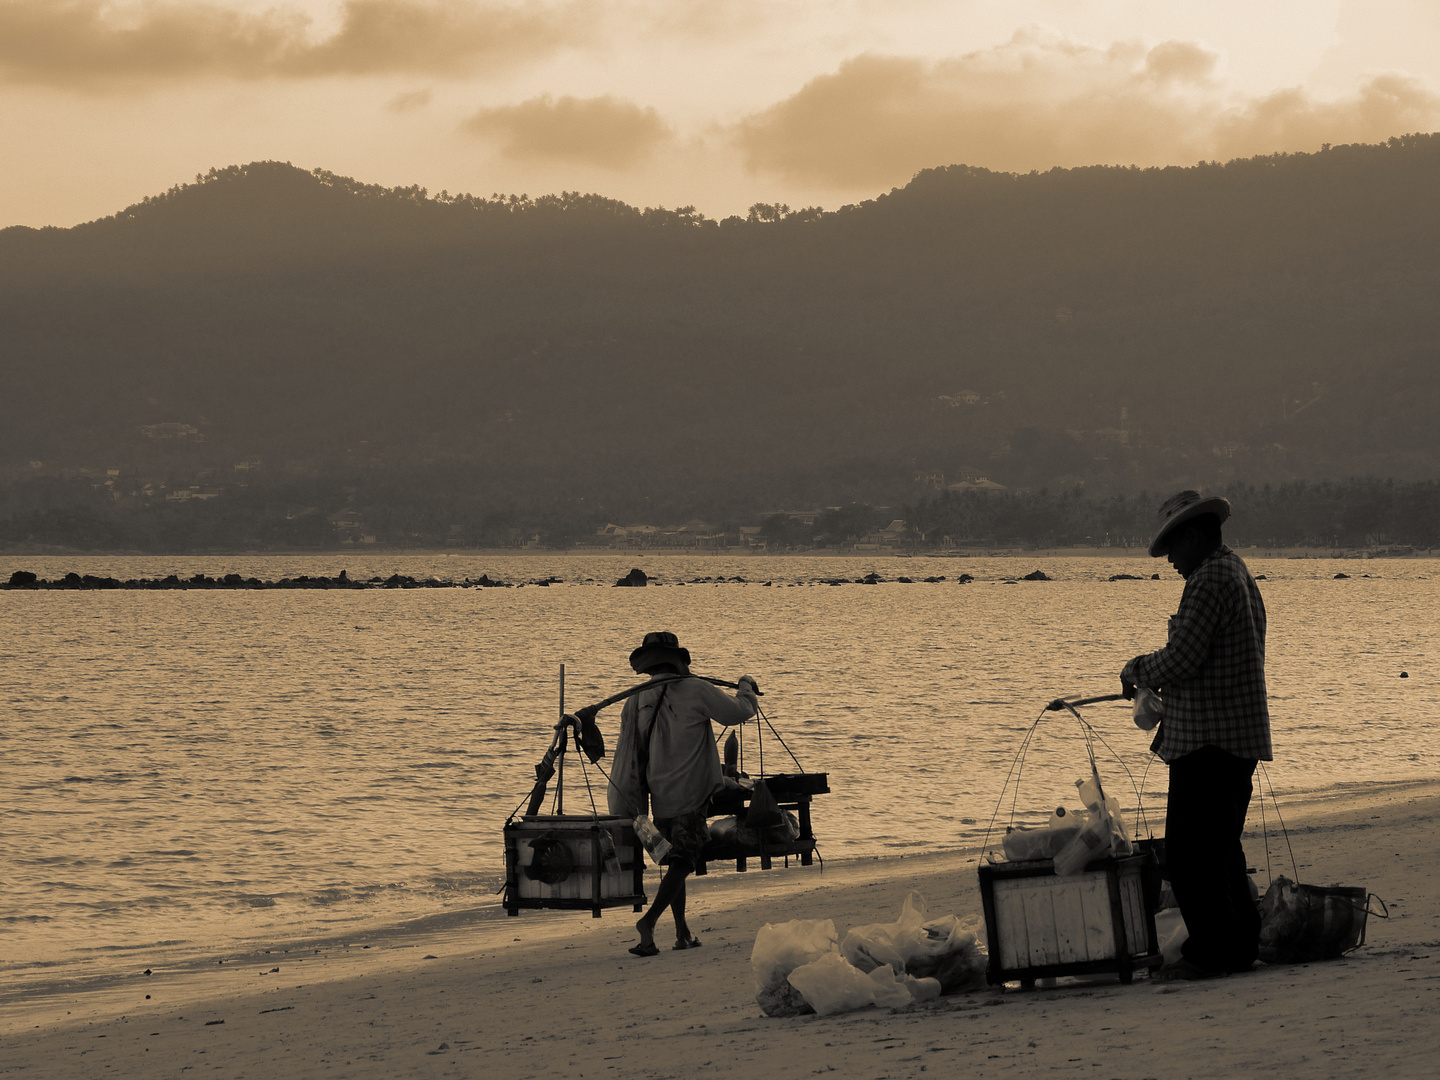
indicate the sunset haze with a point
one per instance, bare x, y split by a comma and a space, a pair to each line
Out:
718, 105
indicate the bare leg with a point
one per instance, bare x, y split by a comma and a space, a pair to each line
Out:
671, 894
677, 908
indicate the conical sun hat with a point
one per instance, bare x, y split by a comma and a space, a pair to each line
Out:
1181, 508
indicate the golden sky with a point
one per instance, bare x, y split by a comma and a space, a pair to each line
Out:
716, 103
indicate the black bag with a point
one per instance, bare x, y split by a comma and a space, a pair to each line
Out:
764, 811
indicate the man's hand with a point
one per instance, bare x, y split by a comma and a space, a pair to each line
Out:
747, 685
1127, 688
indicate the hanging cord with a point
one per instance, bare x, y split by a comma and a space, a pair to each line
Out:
559, 765
538, 781
1294, 867
1140, 819
1144, 776
1265, 832
1017, 766
760, 714
1017, 763
760, 744
815, 845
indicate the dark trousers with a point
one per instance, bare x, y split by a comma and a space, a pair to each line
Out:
1210, 793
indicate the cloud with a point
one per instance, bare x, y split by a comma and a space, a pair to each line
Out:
1038, 101
1180, 62
1291, 120
415, 99
602, 131
93, 43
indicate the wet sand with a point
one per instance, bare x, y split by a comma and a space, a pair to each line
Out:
556, 995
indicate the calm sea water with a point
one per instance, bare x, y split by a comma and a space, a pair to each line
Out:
195, 771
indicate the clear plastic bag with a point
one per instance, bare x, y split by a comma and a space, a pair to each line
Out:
946, 949
1092, 842
1022, 845
832, 984
868, 947
951, 955
1102, 833
889, 990
1148, 710
779, 949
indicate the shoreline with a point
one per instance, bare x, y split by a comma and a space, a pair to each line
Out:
1001, 552
555, 993
62, 978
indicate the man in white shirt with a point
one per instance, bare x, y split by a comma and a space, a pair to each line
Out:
665, 756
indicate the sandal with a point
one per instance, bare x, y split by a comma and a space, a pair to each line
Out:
645, 950
687, 943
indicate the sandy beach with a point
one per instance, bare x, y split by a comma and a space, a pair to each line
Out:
556, 995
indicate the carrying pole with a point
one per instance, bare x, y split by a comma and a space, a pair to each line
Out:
560, 779
1065, 703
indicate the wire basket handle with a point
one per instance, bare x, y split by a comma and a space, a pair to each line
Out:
1070, 705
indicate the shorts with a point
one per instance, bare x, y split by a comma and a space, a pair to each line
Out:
687, 834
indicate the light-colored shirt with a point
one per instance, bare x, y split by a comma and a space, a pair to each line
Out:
684, 767
1211, 675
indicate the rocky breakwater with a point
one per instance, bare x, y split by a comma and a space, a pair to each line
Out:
24, 579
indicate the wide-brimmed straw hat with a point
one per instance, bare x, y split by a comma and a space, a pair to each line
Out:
659, 647
1184, 507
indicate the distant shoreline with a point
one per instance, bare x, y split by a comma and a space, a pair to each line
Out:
1252, 552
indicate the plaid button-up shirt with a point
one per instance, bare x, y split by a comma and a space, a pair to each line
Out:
1211, 675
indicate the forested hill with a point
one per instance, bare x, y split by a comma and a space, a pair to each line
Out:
1260, 320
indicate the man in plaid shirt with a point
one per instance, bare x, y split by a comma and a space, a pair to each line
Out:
1215, 727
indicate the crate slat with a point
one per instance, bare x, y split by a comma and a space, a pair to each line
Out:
1041, 925
589, 885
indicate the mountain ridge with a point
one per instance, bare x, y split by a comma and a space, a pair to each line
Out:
1263, 320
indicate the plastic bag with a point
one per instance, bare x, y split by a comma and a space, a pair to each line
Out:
950, 954
923, 989
728, 830
1170, 933
868, 947
889, 990
1149, 709
1022, 845
779, 949
894, 991
1102, 830
1092, 842
832, 984
763, 811
1107, 808
946, 949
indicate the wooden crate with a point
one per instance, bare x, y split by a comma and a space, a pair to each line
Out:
1099, 920
575, 875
